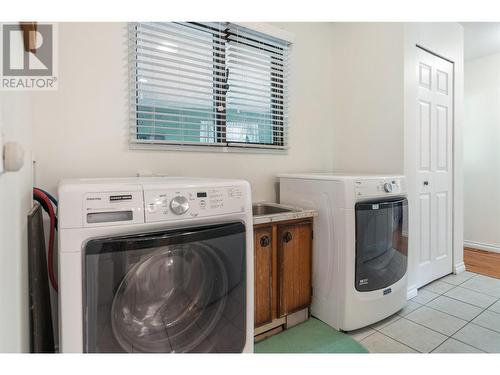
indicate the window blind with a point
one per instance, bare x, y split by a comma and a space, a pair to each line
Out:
207, 84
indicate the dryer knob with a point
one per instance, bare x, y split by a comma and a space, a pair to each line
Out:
179, 205
388, 187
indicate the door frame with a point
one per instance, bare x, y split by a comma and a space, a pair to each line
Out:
445, 40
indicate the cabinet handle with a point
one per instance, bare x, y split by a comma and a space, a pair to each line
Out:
265, 241
287, 237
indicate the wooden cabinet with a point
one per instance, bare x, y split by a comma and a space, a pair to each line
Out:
294, 260
263, 263
282, 270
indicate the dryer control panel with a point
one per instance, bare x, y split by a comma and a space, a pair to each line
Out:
172, 204
379, 187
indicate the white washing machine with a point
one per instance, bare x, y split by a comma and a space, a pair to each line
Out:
360, 244
155, 265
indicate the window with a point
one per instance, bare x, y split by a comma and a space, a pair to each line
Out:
207, 84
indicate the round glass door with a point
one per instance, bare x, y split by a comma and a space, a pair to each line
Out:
171, 300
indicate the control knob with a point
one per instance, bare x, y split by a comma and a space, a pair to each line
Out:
179, 205
388, 187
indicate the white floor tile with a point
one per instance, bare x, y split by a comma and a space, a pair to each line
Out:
379, 325
454, 346
379, 343
424, 296
436, 320
409, 307
488, 319
361, 333
471, 297
479, 337
495, 307
456, 308
484, 284
459, 278
414, 335
438, 287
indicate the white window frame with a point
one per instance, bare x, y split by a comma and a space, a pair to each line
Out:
259, 27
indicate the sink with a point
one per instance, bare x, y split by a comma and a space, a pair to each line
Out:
263, 209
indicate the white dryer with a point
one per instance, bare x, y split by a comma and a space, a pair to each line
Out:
155, 265
360, 244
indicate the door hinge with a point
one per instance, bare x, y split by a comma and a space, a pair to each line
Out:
312, 235
311, 291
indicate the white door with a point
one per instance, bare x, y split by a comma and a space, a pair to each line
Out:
434, 175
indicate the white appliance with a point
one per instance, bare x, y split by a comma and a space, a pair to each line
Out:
155, 265
360, 244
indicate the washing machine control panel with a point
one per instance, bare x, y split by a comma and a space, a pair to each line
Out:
174, 204
379, 187
112, 208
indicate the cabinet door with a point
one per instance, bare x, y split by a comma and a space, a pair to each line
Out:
294, 262
263, 260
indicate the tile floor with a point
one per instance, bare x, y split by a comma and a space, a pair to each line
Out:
456, 314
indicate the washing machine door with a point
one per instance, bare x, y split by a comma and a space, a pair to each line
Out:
172, 291
381, 243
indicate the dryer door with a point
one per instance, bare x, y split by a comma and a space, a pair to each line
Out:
381, 243
173, 291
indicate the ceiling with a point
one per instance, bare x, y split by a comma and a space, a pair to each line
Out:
481, 39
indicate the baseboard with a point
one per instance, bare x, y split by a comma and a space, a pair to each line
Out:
482, 246
411, 292
459, 268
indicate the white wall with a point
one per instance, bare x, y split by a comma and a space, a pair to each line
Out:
482, 153
368, 97
81, 130
15, 203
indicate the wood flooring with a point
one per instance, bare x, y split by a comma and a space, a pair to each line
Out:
483, 262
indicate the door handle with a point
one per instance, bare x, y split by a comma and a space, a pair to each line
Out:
287, 237
426, 183
265, 241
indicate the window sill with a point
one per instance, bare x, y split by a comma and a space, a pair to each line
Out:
219, 149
